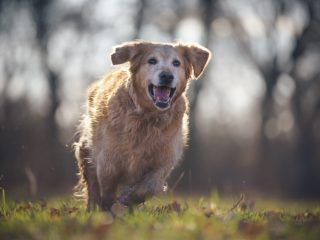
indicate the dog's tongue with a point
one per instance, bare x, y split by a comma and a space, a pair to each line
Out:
161, 93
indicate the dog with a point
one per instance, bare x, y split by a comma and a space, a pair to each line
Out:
136, 122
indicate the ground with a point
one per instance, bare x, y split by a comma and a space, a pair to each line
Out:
169, 217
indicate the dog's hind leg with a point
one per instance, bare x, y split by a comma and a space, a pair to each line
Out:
88, 186
94, 199
108, 183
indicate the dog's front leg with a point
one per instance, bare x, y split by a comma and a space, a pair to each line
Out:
150, 184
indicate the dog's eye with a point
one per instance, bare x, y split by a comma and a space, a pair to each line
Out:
176, 63
152, 61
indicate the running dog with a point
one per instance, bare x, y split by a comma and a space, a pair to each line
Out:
135, 126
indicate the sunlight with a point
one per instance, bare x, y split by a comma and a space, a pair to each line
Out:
232, 93
190, 30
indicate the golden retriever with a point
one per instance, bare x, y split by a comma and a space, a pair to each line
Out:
135, 126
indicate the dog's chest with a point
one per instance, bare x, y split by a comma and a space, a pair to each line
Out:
142, 142
137, 141
146, 135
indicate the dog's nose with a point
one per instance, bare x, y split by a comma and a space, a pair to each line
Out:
165, 78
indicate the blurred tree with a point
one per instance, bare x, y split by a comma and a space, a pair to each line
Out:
304, 162
139, 18
306, 104
288, 161
31, 149
40, 10
191, 166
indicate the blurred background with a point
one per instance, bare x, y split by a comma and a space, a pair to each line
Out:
255, 113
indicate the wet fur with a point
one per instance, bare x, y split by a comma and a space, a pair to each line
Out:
128, 147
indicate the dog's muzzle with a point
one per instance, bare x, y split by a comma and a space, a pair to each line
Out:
161, 95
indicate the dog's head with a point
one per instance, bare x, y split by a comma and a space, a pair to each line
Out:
160, 72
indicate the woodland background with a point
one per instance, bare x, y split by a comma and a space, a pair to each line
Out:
255, 113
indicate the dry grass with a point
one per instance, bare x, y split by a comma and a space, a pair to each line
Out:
164, 218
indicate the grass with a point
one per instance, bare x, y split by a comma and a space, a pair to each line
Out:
160, 218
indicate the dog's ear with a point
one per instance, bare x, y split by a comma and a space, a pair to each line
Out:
197, 56
124, 53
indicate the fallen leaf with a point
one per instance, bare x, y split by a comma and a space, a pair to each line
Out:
250, 228
118, 209
54, 212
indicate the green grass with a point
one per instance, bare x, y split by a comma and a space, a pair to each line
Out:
161, 218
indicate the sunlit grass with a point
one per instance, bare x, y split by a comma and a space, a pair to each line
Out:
161, 218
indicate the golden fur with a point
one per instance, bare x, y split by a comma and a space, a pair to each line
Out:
128, 144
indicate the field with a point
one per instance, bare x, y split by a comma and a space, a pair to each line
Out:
161, 218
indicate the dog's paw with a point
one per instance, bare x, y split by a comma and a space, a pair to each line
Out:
125, 195
118, 209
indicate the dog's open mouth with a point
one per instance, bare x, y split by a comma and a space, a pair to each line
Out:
161, 95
